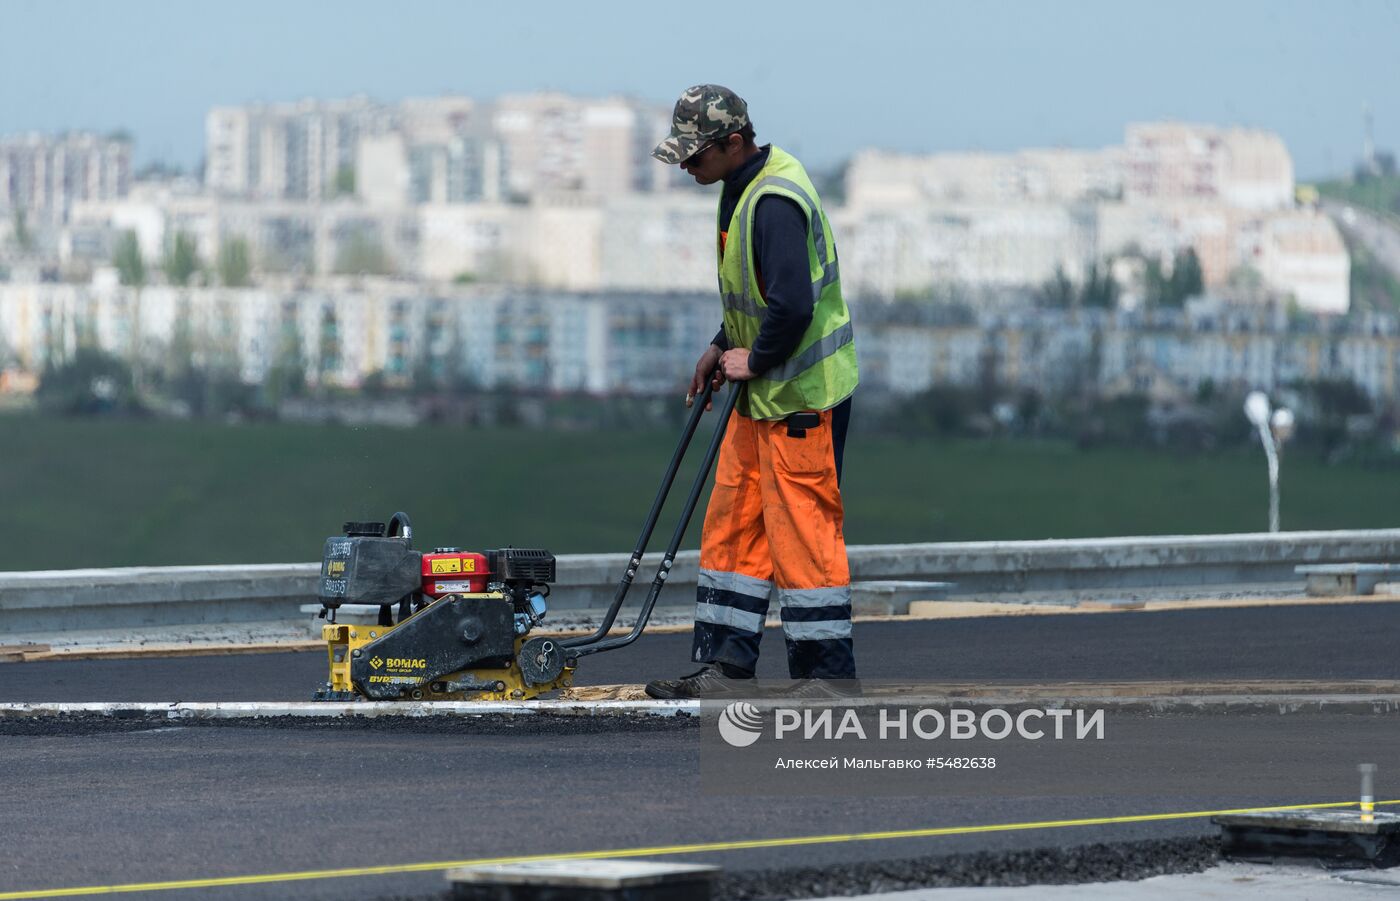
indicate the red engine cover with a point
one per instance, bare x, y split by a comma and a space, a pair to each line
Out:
454, 572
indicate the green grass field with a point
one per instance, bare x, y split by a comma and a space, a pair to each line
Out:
82, 493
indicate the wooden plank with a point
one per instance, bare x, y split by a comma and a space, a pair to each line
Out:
1031, 691
126, 653
22, 648
20, 653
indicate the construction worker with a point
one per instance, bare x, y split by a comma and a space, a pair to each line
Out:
775, 516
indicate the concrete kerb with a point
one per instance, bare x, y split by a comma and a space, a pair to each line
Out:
327, 710
291, 711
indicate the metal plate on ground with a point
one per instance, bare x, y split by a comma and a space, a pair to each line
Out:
635, 880
1324, 820
1333, 837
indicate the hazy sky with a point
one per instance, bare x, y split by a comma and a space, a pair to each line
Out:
823, 79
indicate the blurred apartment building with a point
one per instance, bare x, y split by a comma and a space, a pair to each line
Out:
343, 332
449, 149
1166, 355
911, 222
287, 151
553, 192
558, 143
43, 176
564, 243
541, 190
1240, 168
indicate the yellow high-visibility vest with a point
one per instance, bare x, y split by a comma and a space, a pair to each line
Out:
822, 370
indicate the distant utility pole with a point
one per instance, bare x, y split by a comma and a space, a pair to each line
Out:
1368, 144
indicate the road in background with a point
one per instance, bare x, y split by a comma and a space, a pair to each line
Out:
1380, 235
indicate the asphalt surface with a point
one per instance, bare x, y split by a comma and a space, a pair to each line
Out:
186, 803
1322, 642
108, 807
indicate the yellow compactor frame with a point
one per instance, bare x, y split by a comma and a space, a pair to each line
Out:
344, 640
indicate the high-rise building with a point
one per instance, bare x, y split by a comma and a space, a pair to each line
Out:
1302, 255
451, 154
557, 143
448, 149
43, 176
1176, 161
881, 179
289, 151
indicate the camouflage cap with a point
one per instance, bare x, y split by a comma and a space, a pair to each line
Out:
704, 113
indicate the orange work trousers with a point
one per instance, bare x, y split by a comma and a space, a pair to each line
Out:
774, 524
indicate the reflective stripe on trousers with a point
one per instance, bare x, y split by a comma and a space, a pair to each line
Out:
774, 524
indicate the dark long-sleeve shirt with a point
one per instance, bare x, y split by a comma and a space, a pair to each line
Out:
780, 253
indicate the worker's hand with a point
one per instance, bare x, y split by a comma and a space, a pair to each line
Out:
707, 367
735, 365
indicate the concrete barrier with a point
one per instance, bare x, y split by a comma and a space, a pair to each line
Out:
983, 569
146, 596
55, 601
1340, 579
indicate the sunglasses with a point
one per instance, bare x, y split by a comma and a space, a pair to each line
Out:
704, 148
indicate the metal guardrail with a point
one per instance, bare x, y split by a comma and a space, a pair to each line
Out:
143, 597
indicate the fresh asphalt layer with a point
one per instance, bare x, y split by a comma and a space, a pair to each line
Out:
1322, 642
183, 803
156, 803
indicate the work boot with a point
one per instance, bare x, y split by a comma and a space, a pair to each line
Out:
823, 689
707, 682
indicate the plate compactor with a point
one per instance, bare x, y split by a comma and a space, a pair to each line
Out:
457, 625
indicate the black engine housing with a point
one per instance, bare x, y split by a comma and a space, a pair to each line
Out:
362, 569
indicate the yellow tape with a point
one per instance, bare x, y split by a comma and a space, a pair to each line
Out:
658, 851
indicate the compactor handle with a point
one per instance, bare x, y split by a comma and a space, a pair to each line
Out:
595, 642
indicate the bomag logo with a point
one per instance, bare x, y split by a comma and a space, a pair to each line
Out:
407, 663
376, 662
